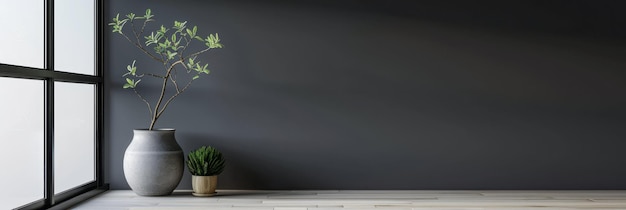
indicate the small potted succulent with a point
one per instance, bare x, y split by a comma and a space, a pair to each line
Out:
205, 164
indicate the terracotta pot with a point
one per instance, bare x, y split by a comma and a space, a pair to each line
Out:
203, 186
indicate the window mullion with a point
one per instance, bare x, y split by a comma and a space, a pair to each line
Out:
49, 106
99, 66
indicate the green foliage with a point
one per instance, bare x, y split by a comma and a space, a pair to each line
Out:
118, 24
132, 69
205, 161
166, 45
131, 83
213, 41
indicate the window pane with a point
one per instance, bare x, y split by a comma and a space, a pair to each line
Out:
74, 135
22, 37
74, 36
21, 142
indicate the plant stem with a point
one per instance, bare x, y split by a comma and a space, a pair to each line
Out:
174, 96
157, 113
144, 100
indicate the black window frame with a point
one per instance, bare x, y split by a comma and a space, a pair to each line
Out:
68, 198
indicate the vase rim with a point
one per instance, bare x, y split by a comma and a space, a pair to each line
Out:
156, 129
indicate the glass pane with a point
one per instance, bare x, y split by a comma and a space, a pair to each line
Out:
74, 135
22, 37
21, 141
74, 36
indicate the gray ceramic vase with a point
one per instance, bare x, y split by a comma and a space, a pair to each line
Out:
153, 162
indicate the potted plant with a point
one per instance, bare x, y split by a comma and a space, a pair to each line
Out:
204, 165
154, 162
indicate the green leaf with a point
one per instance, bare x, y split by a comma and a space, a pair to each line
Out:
204, 69
148, 15
190, 33
130, 83
179, 26
152, 39
213, 41
190, 63
132, 69
195, 77
167, 43
171, 55
118, 24
131, 16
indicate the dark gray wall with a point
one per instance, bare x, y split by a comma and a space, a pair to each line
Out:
373, 94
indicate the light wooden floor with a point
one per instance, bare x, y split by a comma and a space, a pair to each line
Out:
352, 200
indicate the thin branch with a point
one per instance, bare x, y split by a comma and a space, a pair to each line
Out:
197, 53
132, 24
156, 114
173, 79
153, 75
142, 48
180, 54
144, 100
144, 25
172, 98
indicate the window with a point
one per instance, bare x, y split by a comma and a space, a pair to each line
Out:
51, 106
21, 139
74, 132
23, 46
